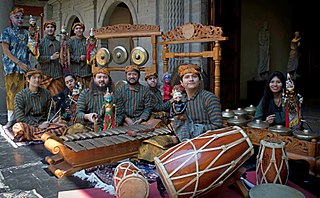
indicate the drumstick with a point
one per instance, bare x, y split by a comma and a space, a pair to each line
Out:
49, 110
247, 184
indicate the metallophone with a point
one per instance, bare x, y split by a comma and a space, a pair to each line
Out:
84, 150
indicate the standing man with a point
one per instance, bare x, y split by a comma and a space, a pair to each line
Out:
203, 107
49, 48
133, 100
14, 40
151, 78
78, 51
32, 111
91, 100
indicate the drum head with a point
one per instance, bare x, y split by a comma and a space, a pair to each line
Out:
274, 190
134, 186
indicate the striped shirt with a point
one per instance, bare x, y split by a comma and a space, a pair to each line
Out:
204, 108
89, 102
78, 47
32, 108
133, 103
47, 47
158, 104
17, 39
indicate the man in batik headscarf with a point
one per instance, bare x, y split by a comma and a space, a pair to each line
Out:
203, 110
49, 49
78, 52
34, 112
133, 100
151, 77
92, 100
14, 40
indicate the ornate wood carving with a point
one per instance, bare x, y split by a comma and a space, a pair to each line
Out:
194, 31
296, 149
122, 28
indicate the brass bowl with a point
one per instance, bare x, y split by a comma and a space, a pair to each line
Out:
237, 121
306, 135
251, 110
227, 114
240, 112
258, 124
281, 130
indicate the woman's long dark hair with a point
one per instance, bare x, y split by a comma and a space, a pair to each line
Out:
268, 94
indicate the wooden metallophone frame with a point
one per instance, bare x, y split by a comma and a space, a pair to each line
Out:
296, 149
116, 145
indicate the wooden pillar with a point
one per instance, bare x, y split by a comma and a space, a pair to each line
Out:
164, 58
217, 58
154, 53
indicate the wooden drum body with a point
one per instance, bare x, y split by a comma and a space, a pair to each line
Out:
129, 181
272, 163
196, 166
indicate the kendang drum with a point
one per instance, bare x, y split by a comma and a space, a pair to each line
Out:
129, 181
272, 162
196, 166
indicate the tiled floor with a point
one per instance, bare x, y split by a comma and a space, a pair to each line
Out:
23, 168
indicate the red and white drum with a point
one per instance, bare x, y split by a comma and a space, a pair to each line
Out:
272, 162
129, 181
196, 166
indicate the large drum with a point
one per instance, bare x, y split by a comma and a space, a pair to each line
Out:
272, 162
129, 181
196, 166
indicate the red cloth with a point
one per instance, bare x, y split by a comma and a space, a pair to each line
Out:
154, 193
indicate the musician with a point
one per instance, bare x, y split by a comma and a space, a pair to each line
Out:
15, 60
78, 51
49, 48
203, 110
271, 108
32, 110
91, 100
133, 100
66, 101
151, 78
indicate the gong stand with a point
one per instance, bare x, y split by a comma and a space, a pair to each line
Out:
131, 31
195, 33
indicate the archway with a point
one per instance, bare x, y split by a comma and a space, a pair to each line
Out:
118, 13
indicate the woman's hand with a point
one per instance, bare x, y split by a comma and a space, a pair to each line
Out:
270, 118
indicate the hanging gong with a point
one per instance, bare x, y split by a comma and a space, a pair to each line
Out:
139, 56
119, 55
103, 56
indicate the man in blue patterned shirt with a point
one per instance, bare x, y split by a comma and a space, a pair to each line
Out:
203, 107
133, 100
14, 40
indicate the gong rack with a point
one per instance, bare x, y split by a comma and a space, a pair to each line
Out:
130, 31
195, 33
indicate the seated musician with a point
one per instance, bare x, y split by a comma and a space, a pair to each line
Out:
151, 78
66, 101
32, 110
203, 111
270, 108
133, 100
92, 99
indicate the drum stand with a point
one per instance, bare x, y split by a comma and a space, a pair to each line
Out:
234, 179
